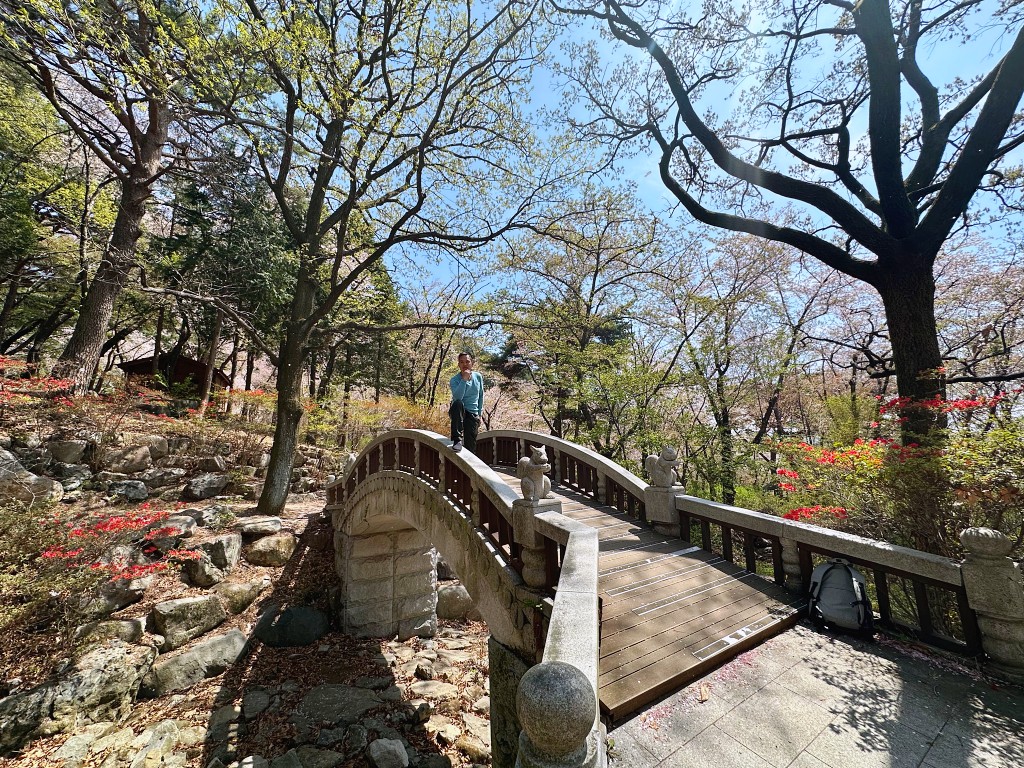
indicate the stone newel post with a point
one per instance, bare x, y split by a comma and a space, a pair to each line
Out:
557, 709
660, 495
995, 590
524, 530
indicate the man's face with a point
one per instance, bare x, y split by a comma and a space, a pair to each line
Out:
465, 363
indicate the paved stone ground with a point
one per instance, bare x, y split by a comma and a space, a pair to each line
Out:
810, 700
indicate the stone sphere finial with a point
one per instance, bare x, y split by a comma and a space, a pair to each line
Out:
986, 542
557, 707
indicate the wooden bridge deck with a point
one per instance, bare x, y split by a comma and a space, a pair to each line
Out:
670, 611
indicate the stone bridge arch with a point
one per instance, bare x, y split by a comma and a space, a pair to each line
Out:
404, 496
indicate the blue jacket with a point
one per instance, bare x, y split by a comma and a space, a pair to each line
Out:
471, 392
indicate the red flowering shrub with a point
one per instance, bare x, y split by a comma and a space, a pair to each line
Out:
910, 494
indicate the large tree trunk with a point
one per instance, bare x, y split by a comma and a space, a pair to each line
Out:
82, 353
289, 400
919, 483
908, 294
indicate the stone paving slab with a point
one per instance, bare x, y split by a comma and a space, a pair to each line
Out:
805, 699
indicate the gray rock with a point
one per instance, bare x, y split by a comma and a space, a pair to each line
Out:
206, 516
18, 483
294, 626
208, 658
289, 759
127, 461
99, 687
104, 478
201, 572
453, 602
435, 761
130, 490
255, 527
128, 631
76, 749
224, 550
67, 451
312, 757
71, 471
272, 550
336, 705
374, 683
356, 737
444, 571
205, 486
238, 596
161, 477
186, 618
212, 464
388, 753
113, 596
255, 701
157, 445
254, 761
158, 743
473, 748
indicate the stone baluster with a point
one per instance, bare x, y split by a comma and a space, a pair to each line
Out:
791, 565
531, 542
601, 491
557, 709
995, 590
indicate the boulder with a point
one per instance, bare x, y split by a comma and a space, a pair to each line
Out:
201, 572
238, 596
224, 550
113, 596
167, 534
161, 477
186, 618
102, 479
18, 483
157, 445
101, 687
336, 705
67, 451
255, 527
130, 490
444, 571
272, 550
127, 461
205, 516
453, 602
388, 753
294, 626
207, 658
127, 631
305, 485
205, 486
312, 757
213, 464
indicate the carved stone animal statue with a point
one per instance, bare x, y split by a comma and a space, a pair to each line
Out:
530, 471
661, 469
350, 462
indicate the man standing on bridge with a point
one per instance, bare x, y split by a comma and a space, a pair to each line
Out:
467, 403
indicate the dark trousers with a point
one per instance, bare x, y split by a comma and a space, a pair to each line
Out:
464, 425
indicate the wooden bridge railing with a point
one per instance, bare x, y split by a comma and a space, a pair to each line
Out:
462, 479
573, 466
915, 592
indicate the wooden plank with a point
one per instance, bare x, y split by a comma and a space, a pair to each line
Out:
670, 611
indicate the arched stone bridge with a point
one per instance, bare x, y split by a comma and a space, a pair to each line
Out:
596, 584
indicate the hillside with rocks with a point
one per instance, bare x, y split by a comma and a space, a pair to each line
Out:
215, 648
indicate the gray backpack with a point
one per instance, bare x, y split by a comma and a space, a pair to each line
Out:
838, 597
